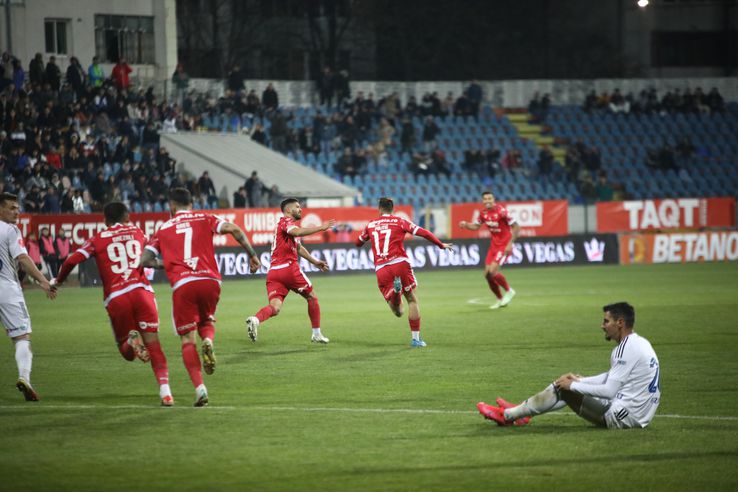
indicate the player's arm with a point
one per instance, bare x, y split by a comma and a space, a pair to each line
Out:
608, 389
240, 237
363, 238
30, 268
426, 234
306, 231
470, 226
515, 227
149, 259
72, 261
322, 265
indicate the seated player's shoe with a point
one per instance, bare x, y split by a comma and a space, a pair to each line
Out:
28, 392
504, 405
508, 297
319, 339
208, 356
496, 305
252, 327
493, 413
397, 285
417, 343
137, 344
167, 401
202, 398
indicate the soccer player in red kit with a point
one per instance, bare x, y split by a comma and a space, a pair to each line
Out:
284, 270
186, 245
504, 230
395, 276
129, 298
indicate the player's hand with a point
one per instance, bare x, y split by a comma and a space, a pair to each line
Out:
564, 382
322, 265
49, 289
509, 249
329, 225
254, 264
448, 246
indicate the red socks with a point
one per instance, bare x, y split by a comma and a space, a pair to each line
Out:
126, 351
192, 363
265, 313
158, 362
207, 331
414, 324
502, 281
314, 312
493, 286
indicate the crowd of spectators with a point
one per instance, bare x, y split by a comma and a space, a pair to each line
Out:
648, 101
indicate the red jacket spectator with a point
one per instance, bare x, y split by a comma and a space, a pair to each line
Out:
54, 159
120, 74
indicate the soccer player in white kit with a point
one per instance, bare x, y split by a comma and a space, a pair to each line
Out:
626, 396
13, 313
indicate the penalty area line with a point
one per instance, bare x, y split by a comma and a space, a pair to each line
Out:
416, 411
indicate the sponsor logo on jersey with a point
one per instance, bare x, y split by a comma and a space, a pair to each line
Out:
192, 262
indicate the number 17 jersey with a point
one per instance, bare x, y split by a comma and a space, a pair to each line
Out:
387, 237
186, 245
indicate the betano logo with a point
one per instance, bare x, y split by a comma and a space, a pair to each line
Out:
595, 250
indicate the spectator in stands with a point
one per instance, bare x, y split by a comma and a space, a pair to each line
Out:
239, 198
345, 164
48, 251
95, 73
715, 101
360, 161
19, 76
76, 76
603, 190
80, 207
666, 160
120, 75
326, 86
592, 159
587, 188
385, 132
343, 88
270, 98
180, 83
407, 135
34, 249
32, 202
463, 106
207, 188
545, 162
474, 93
439, 165
512, 160
235, 80
430, 132
254, 189
165, 163
100, 191
52, 76
36, 70
421, 164
63, 246
618, 104
258, 135
67, 201
275, 196
150, 136
590, 102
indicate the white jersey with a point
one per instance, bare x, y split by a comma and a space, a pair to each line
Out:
634, 364
11, 247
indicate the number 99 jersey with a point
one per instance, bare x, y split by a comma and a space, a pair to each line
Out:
117, 251
186, 245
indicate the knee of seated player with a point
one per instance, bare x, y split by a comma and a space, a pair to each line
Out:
573, 400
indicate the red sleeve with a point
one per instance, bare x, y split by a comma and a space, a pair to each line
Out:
363, 237
506, 215
72, 261
153, 244
424, 233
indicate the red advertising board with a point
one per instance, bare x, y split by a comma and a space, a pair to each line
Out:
536, 218
677, 213
259, 224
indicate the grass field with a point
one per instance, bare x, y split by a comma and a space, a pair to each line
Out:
368, 412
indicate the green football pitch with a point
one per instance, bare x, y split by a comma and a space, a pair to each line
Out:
367, 412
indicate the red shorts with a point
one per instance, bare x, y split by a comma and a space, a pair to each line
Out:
133, 310
495, 254
283, 280
386, 277
194, 304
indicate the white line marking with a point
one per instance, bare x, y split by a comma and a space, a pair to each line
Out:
478, 300
42, 406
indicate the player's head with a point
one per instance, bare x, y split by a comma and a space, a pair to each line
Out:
115, 213
180, 199
9, 208
488, 199
618, 318
386, 205
291, 207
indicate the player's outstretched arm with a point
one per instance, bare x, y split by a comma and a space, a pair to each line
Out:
72, 261
322, 265
240, 237
306, 231
470, 226
426, 234
149, 260
30, 268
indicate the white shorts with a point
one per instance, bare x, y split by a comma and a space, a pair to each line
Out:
14, 317
601, 411
619, 417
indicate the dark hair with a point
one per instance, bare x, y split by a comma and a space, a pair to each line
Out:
622, 310
180, 196
487, 192
386, 204
7, 197
115, 212
287, 201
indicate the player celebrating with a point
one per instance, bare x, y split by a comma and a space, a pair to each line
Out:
284, 273
394, 273
128, 296
504, 231
186, 245
13, 312
626, 396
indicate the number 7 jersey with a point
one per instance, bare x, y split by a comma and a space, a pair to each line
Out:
186, 245
117, 251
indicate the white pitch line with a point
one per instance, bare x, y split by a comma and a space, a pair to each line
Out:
41, 406
478, 300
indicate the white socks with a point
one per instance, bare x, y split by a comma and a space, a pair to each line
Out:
316, 331
24, 359
164, 391
545, 401
415, 334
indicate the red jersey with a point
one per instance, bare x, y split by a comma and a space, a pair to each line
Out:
387, 235
186, 245
117, 251
284, 245
498, 220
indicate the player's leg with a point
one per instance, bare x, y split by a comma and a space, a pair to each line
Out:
147, 315
548, 400
499, 260
390, 286
490, 269
276, 292
14, 317
413, 318
209, 295
313, 308
186, 313
121, 312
